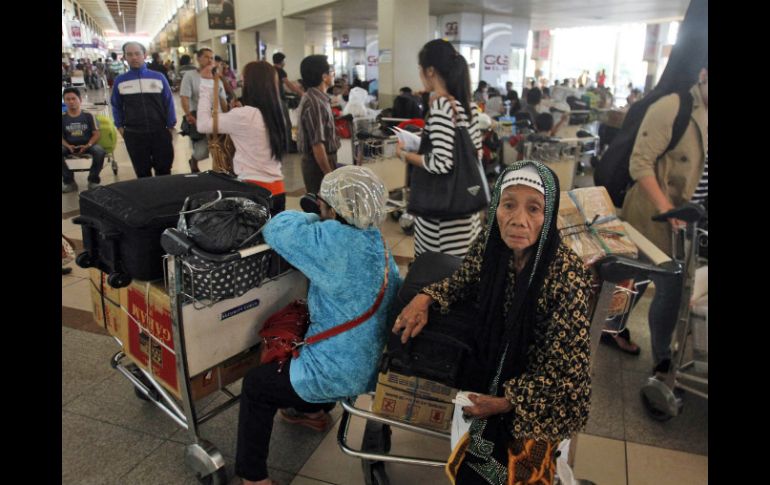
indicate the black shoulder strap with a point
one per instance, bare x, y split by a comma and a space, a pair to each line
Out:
682, 120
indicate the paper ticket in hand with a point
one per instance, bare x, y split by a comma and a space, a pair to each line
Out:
410, 140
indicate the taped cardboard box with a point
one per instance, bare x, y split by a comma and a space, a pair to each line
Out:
106, 306
589, 225
414, 400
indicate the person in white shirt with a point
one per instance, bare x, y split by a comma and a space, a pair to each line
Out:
257, 128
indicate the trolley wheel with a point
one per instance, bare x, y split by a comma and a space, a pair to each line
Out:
395, 215
84, 260
118, 280
219, 477
406, 221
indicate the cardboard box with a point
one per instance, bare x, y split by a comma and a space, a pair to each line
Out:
414, 400
106, 307
589, 225
150, 344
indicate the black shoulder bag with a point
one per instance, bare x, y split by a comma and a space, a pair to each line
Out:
459, 193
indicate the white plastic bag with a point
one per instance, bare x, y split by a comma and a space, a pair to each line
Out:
563, 470
356, 106
460, 425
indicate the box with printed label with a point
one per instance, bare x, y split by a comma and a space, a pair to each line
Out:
150, 342
414, 400
417, 385
411, 408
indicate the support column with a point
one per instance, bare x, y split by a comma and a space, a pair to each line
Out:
245, 47
403, 28
290, 35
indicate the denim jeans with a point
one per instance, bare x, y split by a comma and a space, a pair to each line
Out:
97, 161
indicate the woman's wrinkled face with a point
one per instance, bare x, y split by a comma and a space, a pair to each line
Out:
520, 216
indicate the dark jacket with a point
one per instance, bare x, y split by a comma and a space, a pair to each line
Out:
142, 101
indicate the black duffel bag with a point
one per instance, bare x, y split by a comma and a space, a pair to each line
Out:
443, 351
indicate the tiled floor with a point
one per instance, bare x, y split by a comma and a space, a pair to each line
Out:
111, 437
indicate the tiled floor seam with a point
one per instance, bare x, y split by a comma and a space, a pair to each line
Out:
81, 394
148, 455
118, 425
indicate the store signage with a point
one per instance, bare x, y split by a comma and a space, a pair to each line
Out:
345, 40
496, 63
371, 61
451, 29
386, 56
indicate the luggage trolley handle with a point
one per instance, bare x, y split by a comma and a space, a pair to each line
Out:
176, 243
616, 269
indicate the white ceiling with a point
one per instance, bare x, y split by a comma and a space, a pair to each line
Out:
98, 10
346, 14
544, 14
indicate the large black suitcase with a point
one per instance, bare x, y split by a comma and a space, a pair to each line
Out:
442, 351
122, 222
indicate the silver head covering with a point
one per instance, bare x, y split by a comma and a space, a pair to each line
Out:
357, 194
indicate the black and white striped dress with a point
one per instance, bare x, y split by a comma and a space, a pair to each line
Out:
702, 191
452, 236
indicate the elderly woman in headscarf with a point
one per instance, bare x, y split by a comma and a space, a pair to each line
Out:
532, 334
345, 258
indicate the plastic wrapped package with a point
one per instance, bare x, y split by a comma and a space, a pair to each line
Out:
357, 104
357, 194
588, 224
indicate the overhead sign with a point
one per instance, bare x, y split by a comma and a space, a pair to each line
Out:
75, 32
541, 45
651, 43
221, 14
188, 28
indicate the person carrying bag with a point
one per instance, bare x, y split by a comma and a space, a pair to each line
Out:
448, 188
221, 147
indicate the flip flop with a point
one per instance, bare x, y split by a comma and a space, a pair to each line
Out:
609, 339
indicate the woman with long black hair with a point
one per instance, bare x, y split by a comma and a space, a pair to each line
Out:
444, 72
257, 128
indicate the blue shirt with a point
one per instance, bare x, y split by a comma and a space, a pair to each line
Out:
346, 267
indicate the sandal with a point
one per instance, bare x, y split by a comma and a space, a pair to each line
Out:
295, 417
621, 341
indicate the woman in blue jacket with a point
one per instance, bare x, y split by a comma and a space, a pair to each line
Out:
343, 254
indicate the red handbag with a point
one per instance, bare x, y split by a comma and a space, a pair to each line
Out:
283, 333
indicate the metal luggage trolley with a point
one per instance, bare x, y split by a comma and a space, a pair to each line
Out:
370, 147
376, 442
212, 323
662, 397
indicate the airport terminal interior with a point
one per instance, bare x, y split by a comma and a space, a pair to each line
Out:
111, 434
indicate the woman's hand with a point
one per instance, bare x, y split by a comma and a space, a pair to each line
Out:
485, 406
399, 148
413, 317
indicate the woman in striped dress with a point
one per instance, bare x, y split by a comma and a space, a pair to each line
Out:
444, 72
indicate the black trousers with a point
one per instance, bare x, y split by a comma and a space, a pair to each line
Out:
264, 391
312, 174
150, 151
